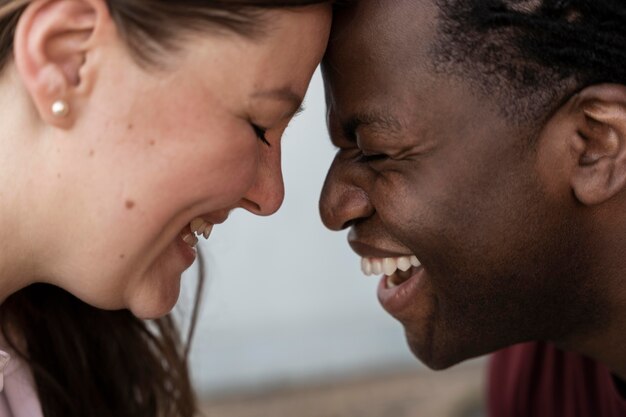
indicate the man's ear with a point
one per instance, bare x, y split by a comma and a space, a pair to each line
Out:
599, 143
53, 40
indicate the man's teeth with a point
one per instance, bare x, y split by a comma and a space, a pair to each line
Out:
200, 228
388, 266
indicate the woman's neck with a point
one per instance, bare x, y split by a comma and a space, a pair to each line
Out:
16, 186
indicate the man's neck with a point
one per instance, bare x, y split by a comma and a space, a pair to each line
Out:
620, 386
606, 344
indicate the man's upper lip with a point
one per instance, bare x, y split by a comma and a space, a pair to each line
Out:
366, 250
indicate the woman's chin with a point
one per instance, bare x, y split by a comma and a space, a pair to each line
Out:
154, 308
156, 299
156, 292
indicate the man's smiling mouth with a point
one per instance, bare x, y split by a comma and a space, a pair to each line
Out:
397, 270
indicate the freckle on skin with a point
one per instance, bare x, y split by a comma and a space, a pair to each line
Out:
152, 143
59, 175
122, 256
130, 204
130, 126
92, 152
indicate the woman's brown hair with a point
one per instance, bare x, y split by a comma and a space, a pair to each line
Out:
91, 362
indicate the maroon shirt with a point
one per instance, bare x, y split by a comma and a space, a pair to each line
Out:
539, 380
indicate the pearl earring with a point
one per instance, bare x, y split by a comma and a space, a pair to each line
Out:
60, 108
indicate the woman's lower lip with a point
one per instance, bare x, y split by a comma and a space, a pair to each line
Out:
399, 298
187, 252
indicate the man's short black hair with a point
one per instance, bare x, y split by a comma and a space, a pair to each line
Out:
532, 54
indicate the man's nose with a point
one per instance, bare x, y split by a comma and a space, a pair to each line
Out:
268, 191
342, 201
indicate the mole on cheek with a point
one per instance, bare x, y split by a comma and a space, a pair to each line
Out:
130, 204
122, 256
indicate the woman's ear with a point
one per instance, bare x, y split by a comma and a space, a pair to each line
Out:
53, 42
599, 144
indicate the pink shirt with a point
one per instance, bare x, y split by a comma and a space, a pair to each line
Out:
18, 395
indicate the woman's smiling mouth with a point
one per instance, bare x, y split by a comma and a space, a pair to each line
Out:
197, 227
201, 226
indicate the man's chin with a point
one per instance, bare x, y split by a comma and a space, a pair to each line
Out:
435, 358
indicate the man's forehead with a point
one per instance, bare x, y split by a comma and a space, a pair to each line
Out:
377, 63
380, 22
380, 40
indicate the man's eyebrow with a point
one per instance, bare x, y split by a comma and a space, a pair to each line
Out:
379, 122
283, 94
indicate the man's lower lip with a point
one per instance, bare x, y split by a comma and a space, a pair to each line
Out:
397, 299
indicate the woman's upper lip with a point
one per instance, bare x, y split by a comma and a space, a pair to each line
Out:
368, 251
215, 219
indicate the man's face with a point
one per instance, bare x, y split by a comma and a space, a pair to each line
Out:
427, 167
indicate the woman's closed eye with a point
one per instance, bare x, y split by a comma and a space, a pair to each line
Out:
260, 132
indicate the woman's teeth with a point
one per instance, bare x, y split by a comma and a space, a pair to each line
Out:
201, 228
388, 266
197, 227
190, 239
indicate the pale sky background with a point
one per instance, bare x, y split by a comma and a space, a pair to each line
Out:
285, 300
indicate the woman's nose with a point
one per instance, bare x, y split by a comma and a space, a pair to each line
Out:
342, 201
268, 191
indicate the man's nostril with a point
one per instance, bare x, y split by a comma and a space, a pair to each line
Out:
348, 224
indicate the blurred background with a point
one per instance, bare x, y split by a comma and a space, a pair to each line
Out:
289, 325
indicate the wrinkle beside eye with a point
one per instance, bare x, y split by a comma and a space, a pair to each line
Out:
369, 158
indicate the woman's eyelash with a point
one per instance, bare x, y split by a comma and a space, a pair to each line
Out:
260, 133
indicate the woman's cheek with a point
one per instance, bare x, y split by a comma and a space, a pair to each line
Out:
231, 177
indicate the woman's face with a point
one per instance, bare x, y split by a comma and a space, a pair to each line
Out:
152, 149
